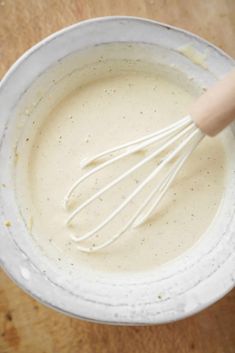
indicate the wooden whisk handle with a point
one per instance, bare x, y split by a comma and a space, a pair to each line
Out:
215, 109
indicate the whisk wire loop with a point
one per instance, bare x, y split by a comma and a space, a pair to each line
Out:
184, 131
141, 144
124, 175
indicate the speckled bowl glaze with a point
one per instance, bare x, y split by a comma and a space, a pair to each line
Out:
176, 290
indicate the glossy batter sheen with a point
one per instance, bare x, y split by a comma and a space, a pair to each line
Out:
95, 117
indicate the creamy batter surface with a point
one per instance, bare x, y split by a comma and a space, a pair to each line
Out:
100, 114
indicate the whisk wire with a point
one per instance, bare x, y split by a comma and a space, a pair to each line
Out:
145, 141
124, 175
165, 131
166, 182
140, 210
137, 219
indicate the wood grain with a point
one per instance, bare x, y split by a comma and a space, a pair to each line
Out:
27, 326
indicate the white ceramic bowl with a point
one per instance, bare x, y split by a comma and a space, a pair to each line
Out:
178, 289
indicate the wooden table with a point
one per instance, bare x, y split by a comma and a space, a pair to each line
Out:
25, 325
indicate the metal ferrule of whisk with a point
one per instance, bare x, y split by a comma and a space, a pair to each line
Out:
184, 132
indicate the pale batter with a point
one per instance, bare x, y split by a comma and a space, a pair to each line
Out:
126, 104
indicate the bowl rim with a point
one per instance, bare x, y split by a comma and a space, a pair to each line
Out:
68, 28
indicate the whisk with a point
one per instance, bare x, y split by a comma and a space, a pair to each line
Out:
209, 115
